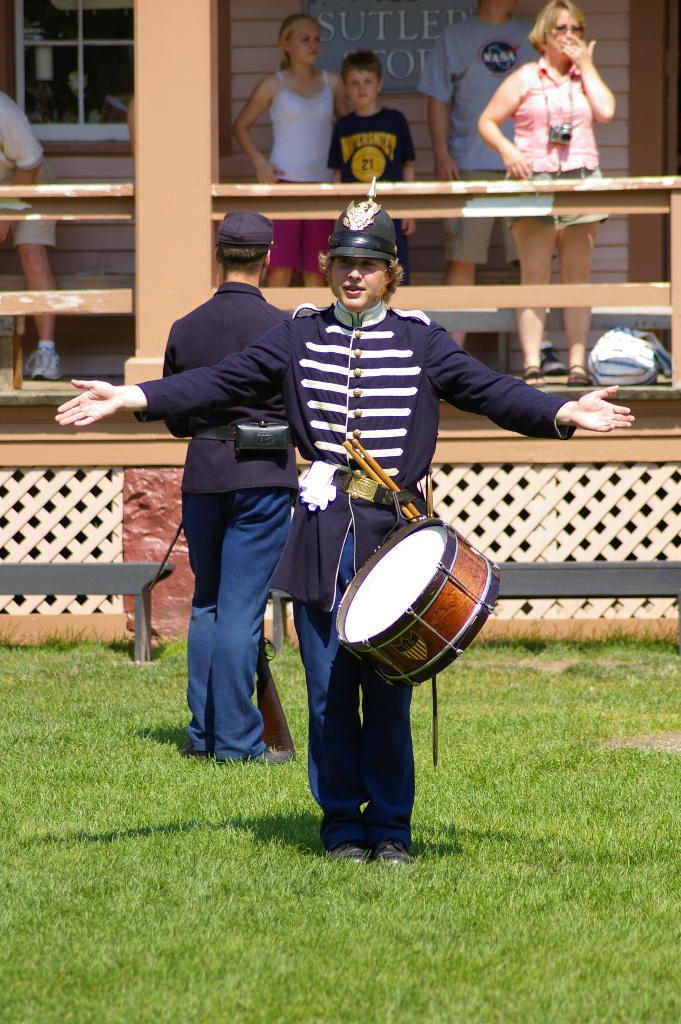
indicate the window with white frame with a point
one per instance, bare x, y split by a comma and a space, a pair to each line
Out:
75, 67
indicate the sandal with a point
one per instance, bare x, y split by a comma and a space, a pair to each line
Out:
533, 375
578, 377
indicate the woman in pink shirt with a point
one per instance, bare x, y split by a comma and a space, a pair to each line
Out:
553, 103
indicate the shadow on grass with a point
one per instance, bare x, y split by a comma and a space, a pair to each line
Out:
299, 830
127, 648
535, 644
166, 735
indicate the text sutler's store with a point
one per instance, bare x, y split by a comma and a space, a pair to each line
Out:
112, 493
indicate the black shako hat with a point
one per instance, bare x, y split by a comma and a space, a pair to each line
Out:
364, 230
244, 228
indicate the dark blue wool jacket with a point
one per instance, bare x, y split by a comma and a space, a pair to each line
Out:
236, 316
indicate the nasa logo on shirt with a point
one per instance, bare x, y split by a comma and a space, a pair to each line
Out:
499, 58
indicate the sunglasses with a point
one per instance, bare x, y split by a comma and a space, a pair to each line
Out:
561, 30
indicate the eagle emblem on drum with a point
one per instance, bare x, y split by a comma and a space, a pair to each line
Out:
412, 646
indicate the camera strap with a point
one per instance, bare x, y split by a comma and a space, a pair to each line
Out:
559, 120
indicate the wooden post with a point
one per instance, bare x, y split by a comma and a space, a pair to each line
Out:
175, 163
675, 283
11, 363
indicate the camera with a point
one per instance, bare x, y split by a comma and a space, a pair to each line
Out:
560, 133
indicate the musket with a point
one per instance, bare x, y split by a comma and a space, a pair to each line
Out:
275, 731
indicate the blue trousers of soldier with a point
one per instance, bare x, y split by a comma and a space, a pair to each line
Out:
235, 540
361, 766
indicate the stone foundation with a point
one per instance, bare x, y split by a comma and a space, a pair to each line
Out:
152, 510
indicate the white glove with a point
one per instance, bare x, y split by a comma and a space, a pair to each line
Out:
316, 488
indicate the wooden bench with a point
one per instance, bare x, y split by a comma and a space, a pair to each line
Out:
591, 579
555, 580
279, 599
134, 578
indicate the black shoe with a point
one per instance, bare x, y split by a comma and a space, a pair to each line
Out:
551, 365
187, 750
270, 756
350, 850
391, 851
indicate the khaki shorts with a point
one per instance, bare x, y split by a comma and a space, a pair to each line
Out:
467, 238
565, 220
36, 232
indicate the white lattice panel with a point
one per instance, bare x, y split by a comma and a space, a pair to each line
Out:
61, 515
556, 513
526, 513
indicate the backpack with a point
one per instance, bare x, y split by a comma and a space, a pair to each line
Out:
624, 356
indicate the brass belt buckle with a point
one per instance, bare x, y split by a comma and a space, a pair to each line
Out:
362, 487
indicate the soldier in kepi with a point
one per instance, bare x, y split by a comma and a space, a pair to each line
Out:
359, 368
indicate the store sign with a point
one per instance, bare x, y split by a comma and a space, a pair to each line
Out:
401, 32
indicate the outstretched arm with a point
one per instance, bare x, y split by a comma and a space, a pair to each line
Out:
592, 412
97, 401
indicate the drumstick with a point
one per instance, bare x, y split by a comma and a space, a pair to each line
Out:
377, 473
374, 470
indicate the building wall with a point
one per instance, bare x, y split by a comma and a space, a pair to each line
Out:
254, 33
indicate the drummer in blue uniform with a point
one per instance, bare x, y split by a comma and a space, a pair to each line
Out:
357, 368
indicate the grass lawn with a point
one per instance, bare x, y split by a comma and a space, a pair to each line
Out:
138, 886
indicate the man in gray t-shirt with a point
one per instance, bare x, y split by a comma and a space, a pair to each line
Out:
468, 63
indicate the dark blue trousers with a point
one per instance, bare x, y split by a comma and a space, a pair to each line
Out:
235, 540
361, 766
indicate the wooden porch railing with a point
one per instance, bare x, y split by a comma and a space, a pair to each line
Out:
425, 200
105, 202
430, 200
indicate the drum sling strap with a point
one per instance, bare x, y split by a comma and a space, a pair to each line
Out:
433, 683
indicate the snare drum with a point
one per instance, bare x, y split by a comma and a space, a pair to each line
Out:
418, 602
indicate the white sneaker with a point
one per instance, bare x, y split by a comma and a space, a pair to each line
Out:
44, 364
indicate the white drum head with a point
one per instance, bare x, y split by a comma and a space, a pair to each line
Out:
394, 583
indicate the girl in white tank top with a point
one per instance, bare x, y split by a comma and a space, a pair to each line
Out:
301, 132
302, 102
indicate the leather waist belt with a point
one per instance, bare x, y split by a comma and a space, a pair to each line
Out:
217, 433
358, 485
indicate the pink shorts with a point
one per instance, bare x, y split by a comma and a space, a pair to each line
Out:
297, 243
